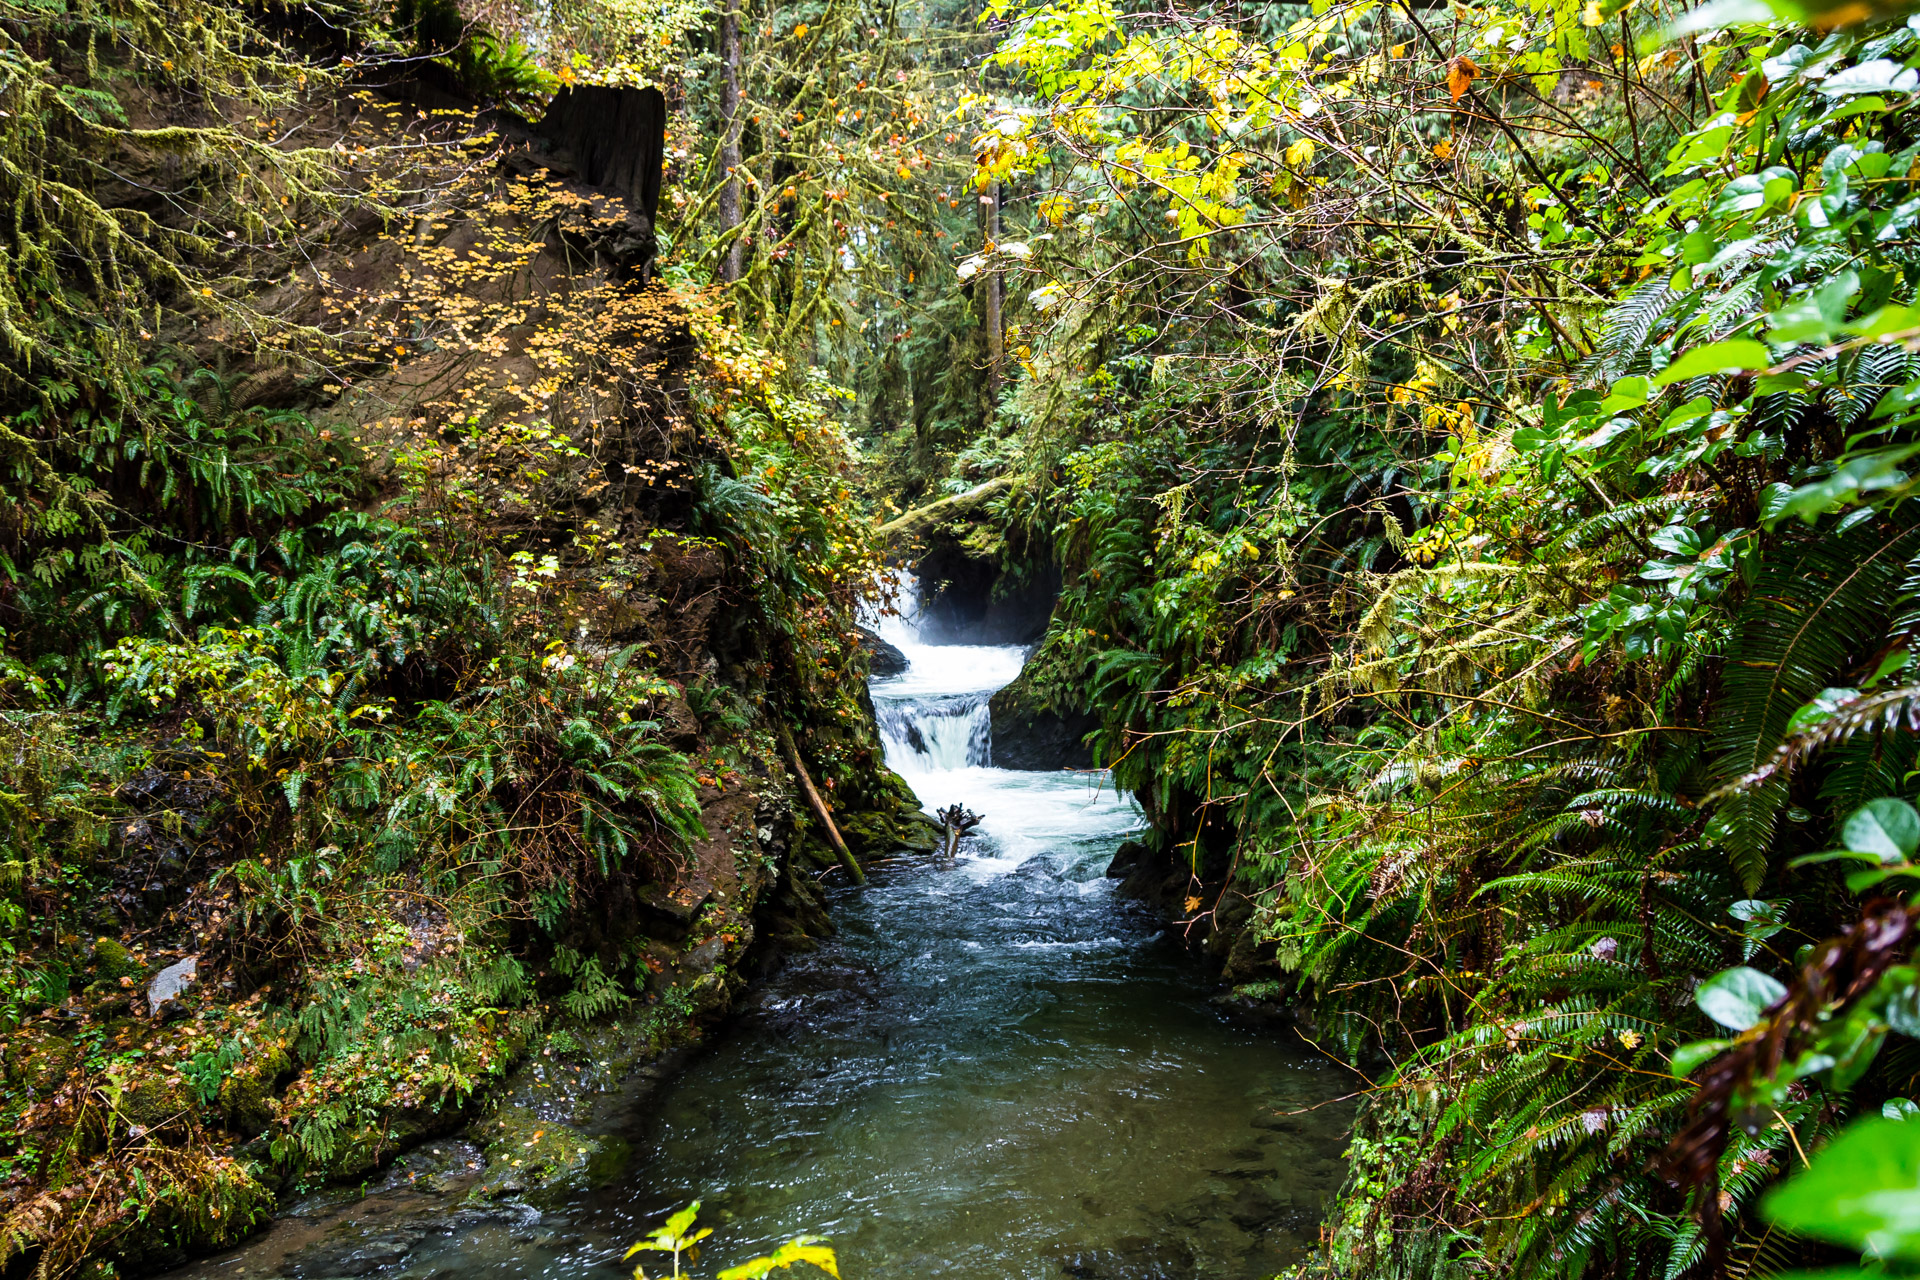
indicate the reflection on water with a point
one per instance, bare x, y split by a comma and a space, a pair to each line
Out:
995, 1071
999, 1071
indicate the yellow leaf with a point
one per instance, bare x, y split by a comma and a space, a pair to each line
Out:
800, 31
1444, 148
1300, 154
1461, 73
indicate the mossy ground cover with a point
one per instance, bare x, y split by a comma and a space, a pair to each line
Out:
398, 607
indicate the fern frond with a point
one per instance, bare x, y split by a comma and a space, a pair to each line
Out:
1809, 615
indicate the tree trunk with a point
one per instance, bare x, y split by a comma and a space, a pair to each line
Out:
730, 212
996, 333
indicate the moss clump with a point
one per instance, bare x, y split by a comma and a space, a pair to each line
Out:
37, 1061
523, 1147
112, 962
246, 1095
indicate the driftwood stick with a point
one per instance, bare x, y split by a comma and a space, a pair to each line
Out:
958, 820
847, 859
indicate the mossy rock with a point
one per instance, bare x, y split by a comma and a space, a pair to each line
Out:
372, 1144
195, 1216
112, 962
875, 834
106, 998
246, 1095
38, 1060
526, 1149
1031, 733
150, 1100
921, 832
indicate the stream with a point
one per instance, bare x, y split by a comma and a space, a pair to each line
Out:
996, 1070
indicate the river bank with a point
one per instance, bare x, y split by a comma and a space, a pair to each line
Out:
995, 1065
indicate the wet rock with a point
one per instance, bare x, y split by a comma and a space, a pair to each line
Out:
883, 659
164, 992
376, 1254
1028, 733
678, 725
525, 1147
703, 957
442, 1167
708, 993
922, 832
1125, 859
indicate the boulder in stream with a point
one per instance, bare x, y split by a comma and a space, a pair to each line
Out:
883, 659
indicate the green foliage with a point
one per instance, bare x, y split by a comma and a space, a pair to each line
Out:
491, 67
1511, 595
812, 1250
677, 1236
1859, 1192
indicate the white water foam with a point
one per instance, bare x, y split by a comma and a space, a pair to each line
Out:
936, 725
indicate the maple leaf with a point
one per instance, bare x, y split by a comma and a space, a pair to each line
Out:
1461, 73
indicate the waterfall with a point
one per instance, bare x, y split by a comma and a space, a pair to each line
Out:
929, 734
935, 718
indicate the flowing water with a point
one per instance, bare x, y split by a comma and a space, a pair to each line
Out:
995, 1071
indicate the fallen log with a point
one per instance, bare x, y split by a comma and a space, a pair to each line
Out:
920, 519
819, 806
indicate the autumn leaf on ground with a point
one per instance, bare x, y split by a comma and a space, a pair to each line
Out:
1461, 73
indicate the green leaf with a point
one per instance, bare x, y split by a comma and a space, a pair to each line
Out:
1628, 393
1689, 1058
677, 1225
1852, 480
812, 1250
1816, 315
1887, 320
1719, 14
1735, 355
1882, 75
1737, 998
1862, 1190
1902, 1010
1886, 828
